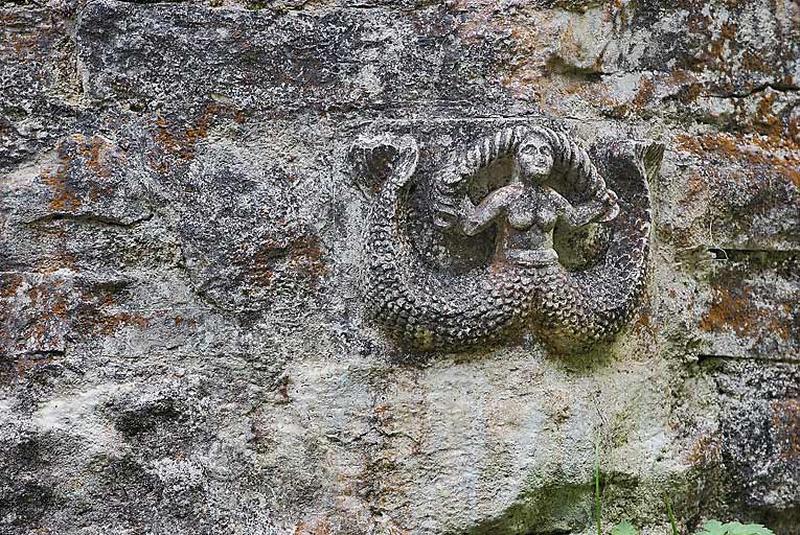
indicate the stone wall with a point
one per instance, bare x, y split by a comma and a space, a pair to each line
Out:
183, 347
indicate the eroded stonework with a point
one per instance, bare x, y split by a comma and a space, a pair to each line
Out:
185, 342
553, 183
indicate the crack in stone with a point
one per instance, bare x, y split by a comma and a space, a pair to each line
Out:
39, 353
724, 253
89, 219
710, 357
775, 86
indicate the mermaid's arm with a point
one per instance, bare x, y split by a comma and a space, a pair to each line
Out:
449, 187
604, 208
477, 218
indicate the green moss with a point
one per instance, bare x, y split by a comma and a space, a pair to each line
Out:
550, 509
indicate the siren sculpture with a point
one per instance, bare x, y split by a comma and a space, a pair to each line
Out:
524, 286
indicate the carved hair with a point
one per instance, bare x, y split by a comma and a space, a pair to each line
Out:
528, 139
573, 174
573, 170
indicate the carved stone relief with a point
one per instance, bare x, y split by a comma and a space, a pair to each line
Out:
551, 187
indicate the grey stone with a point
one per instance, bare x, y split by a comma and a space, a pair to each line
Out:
184, 334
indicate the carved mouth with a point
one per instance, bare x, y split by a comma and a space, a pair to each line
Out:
539, 169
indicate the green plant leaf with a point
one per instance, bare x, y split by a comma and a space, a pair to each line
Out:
713, 527
735, 528
624, 528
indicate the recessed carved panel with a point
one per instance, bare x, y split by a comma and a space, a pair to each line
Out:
524, 230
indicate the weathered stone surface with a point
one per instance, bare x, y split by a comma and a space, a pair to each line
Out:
182, 340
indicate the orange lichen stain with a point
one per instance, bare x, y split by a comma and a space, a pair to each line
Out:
735, 309
569, 45
644, 325
793, 129
60, 259
262, 265
100, 314
319, 526
721, 143
731, 308
530, 33
779, 154
306, 256
680, 77
10, 283
525, 75
182, 142
766, 121
645, 319
36, 332
33, 294
705, 451
684, 84
108, 324
47, 310
780, 327
786, 425
301, 256
714, 57
59, 309
690, 93
23, 365
64, 199
695, 186
754, 62
728, 31
716, 49
96, 152
165, 138
383, 415
645, 93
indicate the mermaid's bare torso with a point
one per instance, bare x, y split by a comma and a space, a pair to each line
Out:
526, 234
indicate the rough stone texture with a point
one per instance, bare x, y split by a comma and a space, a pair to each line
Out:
182, 344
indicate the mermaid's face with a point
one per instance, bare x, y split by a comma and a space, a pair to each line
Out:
535, 158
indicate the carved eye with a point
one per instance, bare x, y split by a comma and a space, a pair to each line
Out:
544, 149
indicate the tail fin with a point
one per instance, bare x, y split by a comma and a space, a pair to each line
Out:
651, 154
385, 157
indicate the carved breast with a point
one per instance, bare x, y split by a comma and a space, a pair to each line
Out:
532, 209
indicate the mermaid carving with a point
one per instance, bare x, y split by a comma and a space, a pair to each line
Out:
553, 182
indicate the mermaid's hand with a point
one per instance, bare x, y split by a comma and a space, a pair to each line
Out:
610, 204
478, 218
445, 218
445, 193
407, 158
